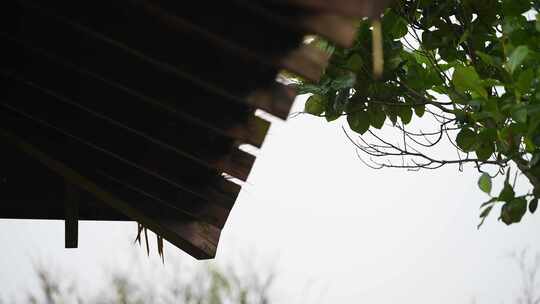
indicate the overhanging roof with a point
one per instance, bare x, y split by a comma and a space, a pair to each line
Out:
133, 110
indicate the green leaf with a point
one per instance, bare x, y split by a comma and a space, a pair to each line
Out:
486, 212
491, 201
507, 193
484, 183
488, 59
421, 58
315, 105
484, 215
517, 57
345, 81
530, 147
484, 150
519, 114
524, 81
420, 110
466, 140
513, 211
464, 37
489, 82
305, 88
534, 160
491, 110
440, 89
476, 104
355, 63
377, 117
533, 204
330, 112
405, 113
392, 116
433, 39
394, 25
358, 121
515, 7
536, 140
466, 79
336, 104
513, 24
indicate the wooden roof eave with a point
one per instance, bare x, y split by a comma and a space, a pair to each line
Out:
132, 53
350, 8
197, 239
142, 178
161, 65
251, 133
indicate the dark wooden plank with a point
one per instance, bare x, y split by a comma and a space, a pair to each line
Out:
88, 49
163, 88
71, 222
336, 28
351, 8
295, 61
20, 173
93, 96
41, 209
277, 97
61, 114
308, 59
251, 131
158, 171
140, 37
238, 23
189, 191
197, 239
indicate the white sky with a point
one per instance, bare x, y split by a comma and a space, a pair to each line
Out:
336, 231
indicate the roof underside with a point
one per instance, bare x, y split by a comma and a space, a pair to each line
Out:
133, 110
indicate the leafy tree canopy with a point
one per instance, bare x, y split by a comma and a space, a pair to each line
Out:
471, 66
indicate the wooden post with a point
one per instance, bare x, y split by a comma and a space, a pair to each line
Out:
71, 207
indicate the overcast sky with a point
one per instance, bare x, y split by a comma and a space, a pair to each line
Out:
334, 230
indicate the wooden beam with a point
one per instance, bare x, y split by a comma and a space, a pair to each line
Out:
195, 238
117, 43
277, 99
351, 8
71, 223
66, 107
300, 61
239, 132
175, 185
307, 61
336, 28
